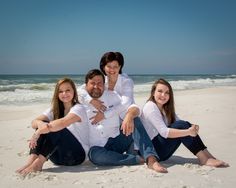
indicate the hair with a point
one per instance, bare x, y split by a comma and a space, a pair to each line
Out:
169, 108
92, 73
109, 57
57, 104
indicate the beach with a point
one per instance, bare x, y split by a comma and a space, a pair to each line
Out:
213, 109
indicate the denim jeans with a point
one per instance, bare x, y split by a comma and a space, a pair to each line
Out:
113, 152
165, 147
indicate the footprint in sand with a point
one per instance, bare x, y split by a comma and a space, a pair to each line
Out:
203, 170
23, 153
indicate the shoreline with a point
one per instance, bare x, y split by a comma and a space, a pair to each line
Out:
213, 109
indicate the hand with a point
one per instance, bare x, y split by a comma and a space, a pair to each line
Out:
127, 126
33, 140
97, 118
193, 130
98, 105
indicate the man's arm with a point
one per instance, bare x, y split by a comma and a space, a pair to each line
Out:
128, 122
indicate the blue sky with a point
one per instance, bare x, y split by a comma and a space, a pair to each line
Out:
155, 36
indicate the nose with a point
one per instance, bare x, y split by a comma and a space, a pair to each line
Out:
163, 94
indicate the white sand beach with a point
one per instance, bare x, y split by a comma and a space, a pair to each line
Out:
213, 109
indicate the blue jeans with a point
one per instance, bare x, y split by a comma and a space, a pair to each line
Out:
165, 147
112, 154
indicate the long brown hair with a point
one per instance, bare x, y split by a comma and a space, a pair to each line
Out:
169, 108
57, 104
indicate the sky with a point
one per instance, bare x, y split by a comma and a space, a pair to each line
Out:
155, 36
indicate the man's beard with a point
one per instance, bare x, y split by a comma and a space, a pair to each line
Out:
95, 93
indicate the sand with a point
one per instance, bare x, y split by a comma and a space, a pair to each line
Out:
213, 109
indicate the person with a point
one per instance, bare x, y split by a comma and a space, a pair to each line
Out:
167, 131
61, 131
108, 143
111, 64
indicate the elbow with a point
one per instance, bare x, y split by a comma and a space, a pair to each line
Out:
164, 134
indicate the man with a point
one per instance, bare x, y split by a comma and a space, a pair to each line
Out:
110, 145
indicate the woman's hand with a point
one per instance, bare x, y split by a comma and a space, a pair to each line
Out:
33, 140
98, 105
193, 130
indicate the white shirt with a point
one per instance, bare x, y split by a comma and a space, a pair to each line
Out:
108, 127
79, 129
153, 121
124, 87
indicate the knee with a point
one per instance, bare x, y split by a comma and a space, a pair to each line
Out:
137, 121
182, 124
95, 155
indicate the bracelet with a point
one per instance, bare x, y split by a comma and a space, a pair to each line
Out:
48, 126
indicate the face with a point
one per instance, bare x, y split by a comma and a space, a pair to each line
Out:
66, 92
161, 94
112, 68
95, 87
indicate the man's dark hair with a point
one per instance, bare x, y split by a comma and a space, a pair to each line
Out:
92, 73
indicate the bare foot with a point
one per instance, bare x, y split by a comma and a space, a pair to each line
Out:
216, 163
154, 165
37, 165
31, 159
23, 168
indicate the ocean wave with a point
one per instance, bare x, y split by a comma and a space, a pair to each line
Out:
25, 97
41, 86
42, 92
188, 84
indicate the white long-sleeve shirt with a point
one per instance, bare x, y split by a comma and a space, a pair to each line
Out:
153, 121
124, 87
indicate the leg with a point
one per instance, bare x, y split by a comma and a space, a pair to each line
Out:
112, 154
68, 150
207, 160
146, 148
197, 147
103, 157
165, 147
31, 159
33, 153
35, 166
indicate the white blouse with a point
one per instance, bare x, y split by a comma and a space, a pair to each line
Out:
79, 129
153, 121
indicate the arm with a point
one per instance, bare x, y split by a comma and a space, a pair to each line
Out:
156, 119
40, 121
59, 124
128, 123
127, 92
191, 131
53, 126
124, 88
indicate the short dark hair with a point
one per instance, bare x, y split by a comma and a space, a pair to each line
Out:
92, 73
109, 57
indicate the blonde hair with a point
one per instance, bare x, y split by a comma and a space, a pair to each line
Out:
57, 104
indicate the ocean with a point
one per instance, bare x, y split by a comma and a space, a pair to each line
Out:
31, 89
